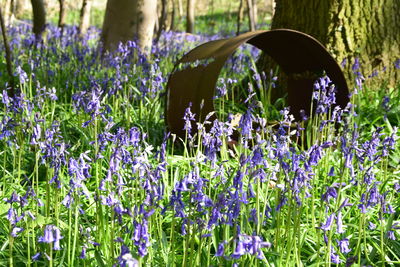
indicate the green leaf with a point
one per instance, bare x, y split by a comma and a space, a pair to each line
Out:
99, 259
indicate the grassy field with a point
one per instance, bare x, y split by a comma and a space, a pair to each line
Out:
89, 177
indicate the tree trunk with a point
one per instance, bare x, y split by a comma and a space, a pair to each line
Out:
8, 53
61, 16
163, 19
250, 13
39, 18
255, 12
172, 25
126, 19
239, 17
7, 12
349, 29
180, 6
84, 21
146, 19
190, 16
20, 8
119, 23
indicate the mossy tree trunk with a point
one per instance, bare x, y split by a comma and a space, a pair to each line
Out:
349, 29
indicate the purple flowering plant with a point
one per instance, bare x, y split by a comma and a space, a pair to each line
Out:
89, 177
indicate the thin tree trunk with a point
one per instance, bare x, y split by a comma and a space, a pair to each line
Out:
84, 21
8, 54
250, 13
239, 17
255, 12
39, 18
61, 16
180, 6
7, 12
20, 8
156, 24
163, 19
190, 17
146, 19
172, 26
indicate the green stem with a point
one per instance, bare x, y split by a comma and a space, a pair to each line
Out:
75, 233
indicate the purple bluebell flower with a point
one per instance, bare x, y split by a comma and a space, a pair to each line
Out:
344, 245
390, 235
335, 257
258, 156
331, 171
221, 88
330, 193
397, 64
315, 154
255, 244
345, 203
239, 250
253, 216
327, 225
339, 223
221, 249
188, 118
371, 226
141, 237
57, 238
21, 74
83, 253
12, 216
16, 230
246, 124
51, 235
36, 257
126, 259
48, 235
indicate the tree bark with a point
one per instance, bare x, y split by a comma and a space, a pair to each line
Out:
84, 21
190, 17
255, 12
146, 19
180, 7
39, 18
20, 7
349, 29
126, 19
119, 23
250, 13
61, 16
239, 17
8, 53
163, 19
172, 25
7, 12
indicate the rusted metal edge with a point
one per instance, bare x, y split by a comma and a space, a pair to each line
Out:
296, 52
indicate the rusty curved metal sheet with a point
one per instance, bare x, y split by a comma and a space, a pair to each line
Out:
297, 53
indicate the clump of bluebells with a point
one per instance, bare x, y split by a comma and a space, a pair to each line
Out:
88, 179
